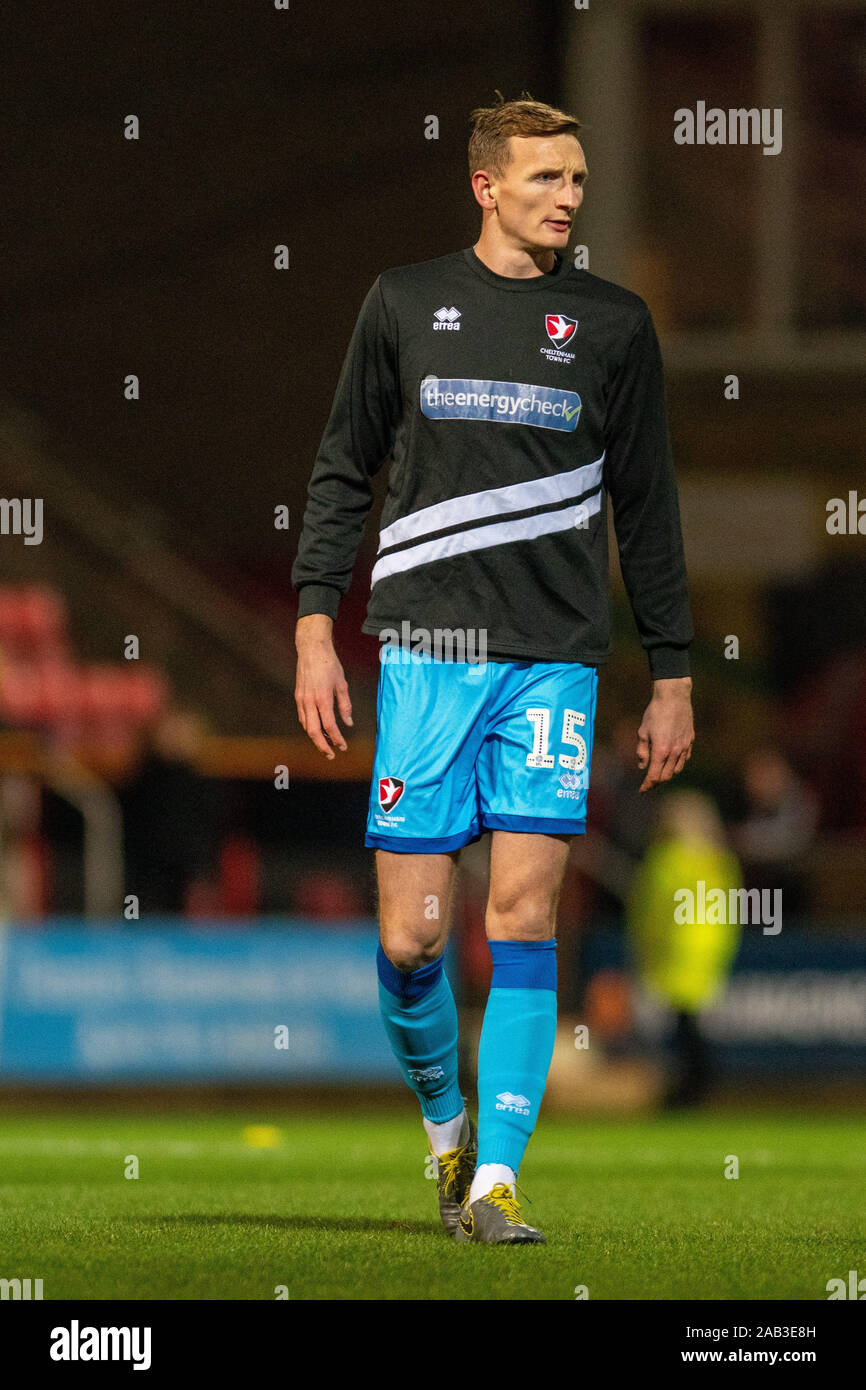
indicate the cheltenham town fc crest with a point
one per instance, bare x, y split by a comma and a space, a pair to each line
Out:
390, 791
559, 329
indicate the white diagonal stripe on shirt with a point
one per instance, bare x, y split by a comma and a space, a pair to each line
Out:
480, 537
514, 497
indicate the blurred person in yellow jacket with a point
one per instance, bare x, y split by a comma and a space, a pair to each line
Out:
679, 930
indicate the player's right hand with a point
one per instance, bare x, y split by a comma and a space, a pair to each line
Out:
319, 678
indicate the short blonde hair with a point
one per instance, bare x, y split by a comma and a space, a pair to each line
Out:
494, 125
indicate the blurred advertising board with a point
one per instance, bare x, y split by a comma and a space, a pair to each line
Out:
794, 1002
159, 1000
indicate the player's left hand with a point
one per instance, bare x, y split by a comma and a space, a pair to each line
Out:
667, 732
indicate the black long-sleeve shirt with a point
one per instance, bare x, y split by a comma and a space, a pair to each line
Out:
510, 408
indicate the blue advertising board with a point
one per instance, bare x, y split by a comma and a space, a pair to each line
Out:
269, 1000
289, 1000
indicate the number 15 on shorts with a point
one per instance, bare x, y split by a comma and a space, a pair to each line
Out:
572, 720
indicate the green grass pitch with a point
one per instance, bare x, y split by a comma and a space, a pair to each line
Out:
340, 1208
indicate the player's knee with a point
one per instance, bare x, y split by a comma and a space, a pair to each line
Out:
523, 919
407, 952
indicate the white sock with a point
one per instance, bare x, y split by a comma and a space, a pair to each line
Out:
452, 1134
487, 1176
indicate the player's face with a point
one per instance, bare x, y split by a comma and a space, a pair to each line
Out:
541, 191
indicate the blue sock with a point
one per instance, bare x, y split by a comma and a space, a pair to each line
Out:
516, 1046
420, 1018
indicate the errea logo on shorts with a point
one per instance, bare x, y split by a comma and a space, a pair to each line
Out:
518, 1105
446, 319
512, 402
573, 784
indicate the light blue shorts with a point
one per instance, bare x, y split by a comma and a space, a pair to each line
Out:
466, 747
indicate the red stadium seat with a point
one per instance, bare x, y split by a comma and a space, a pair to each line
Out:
32, 621
59, 685
20, 692
328, 896
146, 693
240, 876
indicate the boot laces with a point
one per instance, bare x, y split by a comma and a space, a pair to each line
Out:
502, 1197
449, 1165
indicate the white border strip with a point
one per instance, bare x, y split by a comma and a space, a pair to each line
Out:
482, 537
514, 497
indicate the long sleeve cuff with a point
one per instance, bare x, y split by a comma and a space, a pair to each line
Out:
667, 663
318, 598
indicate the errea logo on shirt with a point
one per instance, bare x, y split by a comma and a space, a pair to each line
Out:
447, 318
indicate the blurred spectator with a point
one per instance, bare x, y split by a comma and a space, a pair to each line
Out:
684, 963
778, 829
625, 818
329, 896
620, 822
23, 855
170, 820
828, 710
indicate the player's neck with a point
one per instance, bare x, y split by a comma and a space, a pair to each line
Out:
517, 263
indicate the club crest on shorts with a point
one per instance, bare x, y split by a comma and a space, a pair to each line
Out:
390, 791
